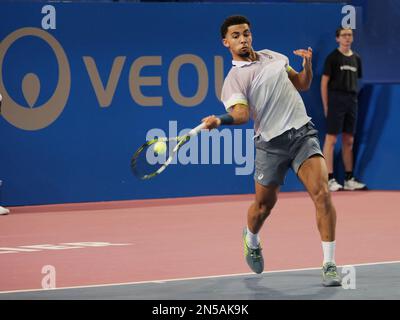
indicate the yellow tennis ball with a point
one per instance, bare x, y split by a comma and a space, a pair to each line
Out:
160, 147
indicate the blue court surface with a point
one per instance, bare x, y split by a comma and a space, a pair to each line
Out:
360, 282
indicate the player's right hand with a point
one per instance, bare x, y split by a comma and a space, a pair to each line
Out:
211, 122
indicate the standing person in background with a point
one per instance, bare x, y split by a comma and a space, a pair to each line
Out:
339, 87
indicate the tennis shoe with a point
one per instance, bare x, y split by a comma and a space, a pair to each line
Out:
333, 185
4, 211
330, 276
352, 184
253, 257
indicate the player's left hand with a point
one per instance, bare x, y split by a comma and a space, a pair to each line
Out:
306, 55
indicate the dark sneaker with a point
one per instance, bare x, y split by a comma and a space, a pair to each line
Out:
352, 184
330, 277
253, 257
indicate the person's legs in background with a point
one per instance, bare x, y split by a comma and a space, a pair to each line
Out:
329, 153
350, 182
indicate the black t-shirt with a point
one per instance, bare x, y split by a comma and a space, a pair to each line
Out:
343, 71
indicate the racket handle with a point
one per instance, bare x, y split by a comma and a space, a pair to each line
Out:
196, 130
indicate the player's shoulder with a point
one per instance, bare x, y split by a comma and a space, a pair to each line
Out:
233, 75
270, 54
233, 72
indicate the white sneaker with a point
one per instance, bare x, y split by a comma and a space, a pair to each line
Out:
353, 184
333, 185
4, 210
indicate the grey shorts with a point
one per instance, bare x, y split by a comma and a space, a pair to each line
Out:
290, 149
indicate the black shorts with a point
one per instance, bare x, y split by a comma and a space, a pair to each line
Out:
342, 112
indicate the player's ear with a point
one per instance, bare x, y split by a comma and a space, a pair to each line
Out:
225, 43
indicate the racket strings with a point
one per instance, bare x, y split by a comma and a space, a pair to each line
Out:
147, 161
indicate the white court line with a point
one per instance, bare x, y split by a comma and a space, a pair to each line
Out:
195, 278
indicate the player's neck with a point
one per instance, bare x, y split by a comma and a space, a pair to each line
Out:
252, 57
345, 50
239, 58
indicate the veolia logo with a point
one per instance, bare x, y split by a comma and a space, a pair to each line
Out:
35, 117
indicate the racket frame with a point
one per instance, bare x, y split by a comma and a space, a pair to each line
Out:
181, 141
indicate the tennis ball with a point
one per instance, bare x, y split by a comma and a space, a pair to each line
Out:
160, 147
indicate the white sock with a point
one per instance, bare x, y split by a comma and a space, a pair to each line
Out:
252, 239
329, 251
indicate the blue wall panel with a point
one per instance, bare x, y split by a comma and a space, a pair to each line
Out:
84, 154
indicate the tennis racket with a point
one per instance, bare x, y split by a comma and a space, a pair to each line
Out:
146, 163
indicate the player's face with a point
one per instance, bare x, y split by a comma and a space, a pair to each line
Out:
238, 40
345, 38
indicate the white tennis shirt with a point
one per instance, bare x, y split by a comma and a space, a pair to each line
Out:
264, 85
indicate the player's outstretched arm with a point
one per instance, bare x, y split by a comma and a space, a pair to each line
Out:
302, 80
239, 114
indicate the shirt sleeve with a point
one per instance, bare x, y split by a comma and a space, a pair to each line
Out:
328, 66
278, 56
233, 91
287, 65
281, 56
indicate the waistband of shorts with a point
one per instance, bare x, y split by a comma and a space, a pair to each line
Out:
306, 126
309, 125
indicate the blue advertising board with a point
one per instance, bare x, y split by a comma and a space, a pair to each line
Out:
83, 92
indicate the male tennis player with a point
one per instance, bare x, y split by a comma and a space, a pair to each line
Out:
263, 86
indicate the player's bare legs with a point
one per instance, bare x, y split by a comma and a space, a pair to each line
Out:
313, 173
265, 200
266, 197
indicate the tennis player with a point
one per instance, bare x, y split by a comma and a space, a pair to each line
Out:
263, 86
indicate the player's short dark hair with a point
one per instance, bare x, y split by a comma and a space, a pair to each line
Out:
232, 21
338, 30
